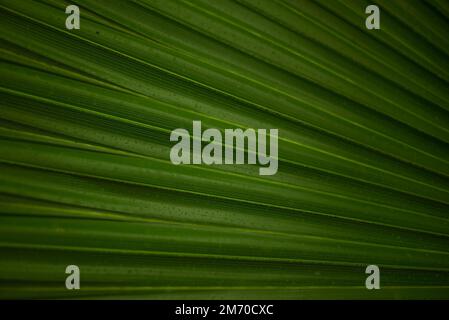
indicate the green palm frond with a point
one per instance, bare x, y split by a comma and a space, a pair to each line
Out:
85, 171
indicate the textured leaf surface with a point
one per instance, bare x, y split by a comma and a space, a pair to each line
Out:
86, 177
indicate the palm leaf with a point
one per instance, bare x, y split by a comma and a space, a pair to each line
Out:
86, 177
